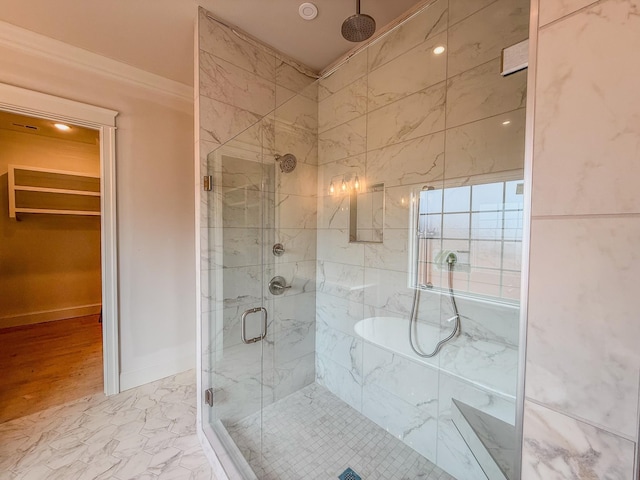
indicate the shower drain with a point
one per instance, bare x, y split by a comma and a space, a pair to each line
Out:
349, 474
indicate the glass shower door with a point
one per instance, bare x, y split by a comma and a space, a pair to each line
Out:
238, 321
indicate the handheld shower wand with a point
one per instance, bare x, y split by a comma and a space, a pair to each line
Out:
451, 261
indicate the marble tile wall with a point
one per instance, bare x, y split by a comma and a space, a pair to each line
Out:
295, 223
399, 114
583, 365
255, 104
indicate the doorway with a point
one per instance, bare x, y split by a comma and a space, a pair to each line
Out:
101, 122
50, 264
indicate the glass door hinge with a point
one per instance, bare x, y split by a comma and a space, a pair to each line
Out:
208, 183
208, 396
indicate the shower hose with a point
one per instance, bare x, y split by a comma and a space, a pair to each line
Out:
451, 260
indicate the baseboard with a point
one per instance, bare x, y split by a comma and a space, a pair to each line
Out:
136, 378
49, 315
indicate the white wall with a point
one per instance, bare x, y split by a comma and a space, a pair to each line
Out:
154, 148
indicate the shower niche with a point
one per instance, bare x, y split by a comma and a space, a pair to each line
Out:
366, 214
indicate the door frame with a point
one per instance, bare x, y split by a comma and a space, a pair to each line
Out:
28, 102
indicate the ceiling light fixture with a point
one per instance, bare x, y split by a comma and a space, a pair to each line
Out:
506, 122
439, 50
62, 126
308, 11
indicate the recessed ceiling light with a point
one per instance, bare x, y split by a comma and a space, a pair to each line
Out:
62, 126
308, 11
439, 50
506, 122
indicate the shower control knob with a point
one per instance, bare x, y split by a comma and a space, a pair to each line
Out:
278, 249
278, 285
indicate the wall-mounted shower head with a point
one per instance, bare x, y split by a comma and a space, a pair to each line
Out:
287, 162
358, 27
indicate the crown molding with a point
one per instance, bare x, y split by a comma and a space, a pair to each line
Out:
42, 105
20, 39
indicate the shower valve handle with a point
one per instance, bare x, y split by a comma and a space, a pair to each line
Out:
277, 285
278, 249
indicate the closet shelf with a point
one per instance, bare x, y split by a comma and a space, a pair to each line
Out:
57, 190
56, 212
54, 192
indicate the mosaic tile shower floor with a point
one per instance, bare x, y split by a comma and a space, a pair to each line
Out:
313, 434
148, 433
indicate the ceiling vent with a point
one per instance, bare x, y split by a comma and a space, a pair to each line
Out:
308, 11
29, 127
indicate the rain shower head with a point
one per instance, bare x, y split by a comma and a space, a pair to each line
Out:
287, 162
358, 27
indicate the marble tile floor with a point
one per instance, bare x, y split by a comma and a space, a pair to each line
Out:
146, 433
313, 434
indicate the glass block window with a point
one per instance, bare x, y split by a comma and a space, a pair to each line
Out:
482, 225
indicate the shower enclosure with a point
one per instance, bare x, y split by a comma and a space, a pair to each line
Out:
331, 202
261, 238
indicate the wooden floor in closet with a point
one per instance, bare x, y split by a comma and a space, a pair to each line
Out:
48, 364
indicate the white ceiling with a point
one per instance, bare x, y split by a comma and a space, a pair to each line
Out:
157, 35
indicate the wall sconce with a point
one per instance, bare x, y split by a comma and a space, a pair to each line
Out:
348, 182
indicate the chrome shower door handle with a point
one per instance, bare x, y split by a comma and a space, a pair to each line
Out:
263, 333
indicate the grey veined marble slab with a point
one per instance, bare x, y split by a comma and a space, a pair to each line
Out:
148, 432
491, 440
